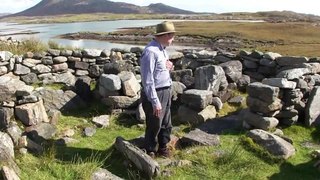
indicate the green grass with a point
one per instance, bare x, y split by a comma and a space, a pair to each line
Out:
292, 38
237, 157
32, 45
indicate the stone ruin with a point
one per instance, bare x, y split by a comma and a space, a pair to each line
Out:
282, 90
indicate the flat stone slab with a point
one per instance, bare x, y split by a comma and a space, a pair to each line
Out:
199, 137
223, 124
138, 157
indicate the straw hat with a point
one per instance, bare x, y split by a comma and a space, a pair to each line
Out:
164, 28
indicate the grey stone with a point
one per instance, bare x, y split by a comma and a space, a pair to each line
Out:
312, 112
59, 59
268, 63
6, 114
91, 53
280, 82
139, 158
54, 52
9, 173
62, 67
256, 105
288, 60
6, 147
32, 113
258, 121
233, 70
30, 62
21, 70
60, 100
187, 115
271, 55
199, 137
263, 92
272, 143
110, 82
210, 78
121, 102
41, 132
102, 121
40, 69
130, 85
5, 55
9, 86
66, 52
103, 174
293, 73
196, 99
89, 131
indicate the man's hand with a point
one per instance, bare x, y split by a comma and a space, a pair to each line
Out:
169, 65
157, 111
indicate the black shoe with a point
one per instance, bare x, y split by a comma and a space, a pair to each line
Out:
164, 152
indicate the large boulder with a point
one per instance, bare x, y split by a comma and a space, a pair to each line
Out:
312, 116
272, 143
9, 86
210, 78
31, 113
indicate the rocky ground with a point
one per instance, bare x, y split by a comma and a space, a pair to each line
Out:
227, 43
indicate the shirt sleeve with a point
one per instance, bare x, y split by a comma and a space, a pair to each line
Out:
148, 63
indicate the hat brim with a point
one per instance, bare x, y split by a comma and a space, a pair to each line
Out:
167, 32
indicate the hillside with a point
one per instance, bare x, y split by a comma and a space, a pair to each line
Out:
4, 14
58, 7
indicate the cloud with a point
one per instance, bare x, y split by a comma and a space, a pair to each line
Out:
13, 6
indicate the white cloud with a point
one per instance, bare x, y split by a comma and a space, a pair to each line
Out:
14, 6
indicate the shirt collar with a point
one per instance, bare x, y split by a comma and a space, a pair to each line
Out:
159, 45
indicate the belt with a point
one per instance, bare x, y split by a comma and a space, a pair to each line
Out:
162, 88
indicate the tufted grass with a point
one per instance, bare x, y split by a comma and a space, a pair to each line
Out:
31, 44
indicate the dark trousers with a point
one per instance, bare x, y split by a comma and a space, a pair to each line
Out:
158, 130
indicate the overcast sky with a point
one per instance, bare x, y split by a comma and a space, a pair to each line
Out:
215, 6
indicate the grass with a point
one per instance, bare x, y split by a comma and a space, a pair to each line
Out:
237, 157
31, 45
290, 38
301, 39
27, 45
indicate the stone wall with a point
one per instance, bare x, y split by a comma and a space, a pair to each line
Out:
281, 89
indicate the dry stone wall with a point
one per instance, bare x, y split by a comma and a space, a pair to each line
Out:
282, 90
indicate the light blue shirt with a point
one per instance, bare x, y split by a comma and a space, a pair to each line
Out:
154, 73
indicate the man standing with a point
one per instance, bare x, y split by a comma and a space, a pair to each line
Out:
156, 93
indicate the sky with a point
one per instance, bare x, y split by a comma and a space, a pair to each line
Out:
214, 6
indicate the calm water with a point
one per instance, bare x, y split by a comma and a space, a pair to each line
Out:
50, 31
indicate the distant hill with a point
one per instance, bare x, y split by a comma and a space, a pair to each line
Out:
276, 16
4, 14
58, 7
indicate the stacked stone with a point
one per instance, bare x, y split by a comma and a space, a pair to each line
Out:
259, 65
291, 98
300, 89
195, 107
264, 103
